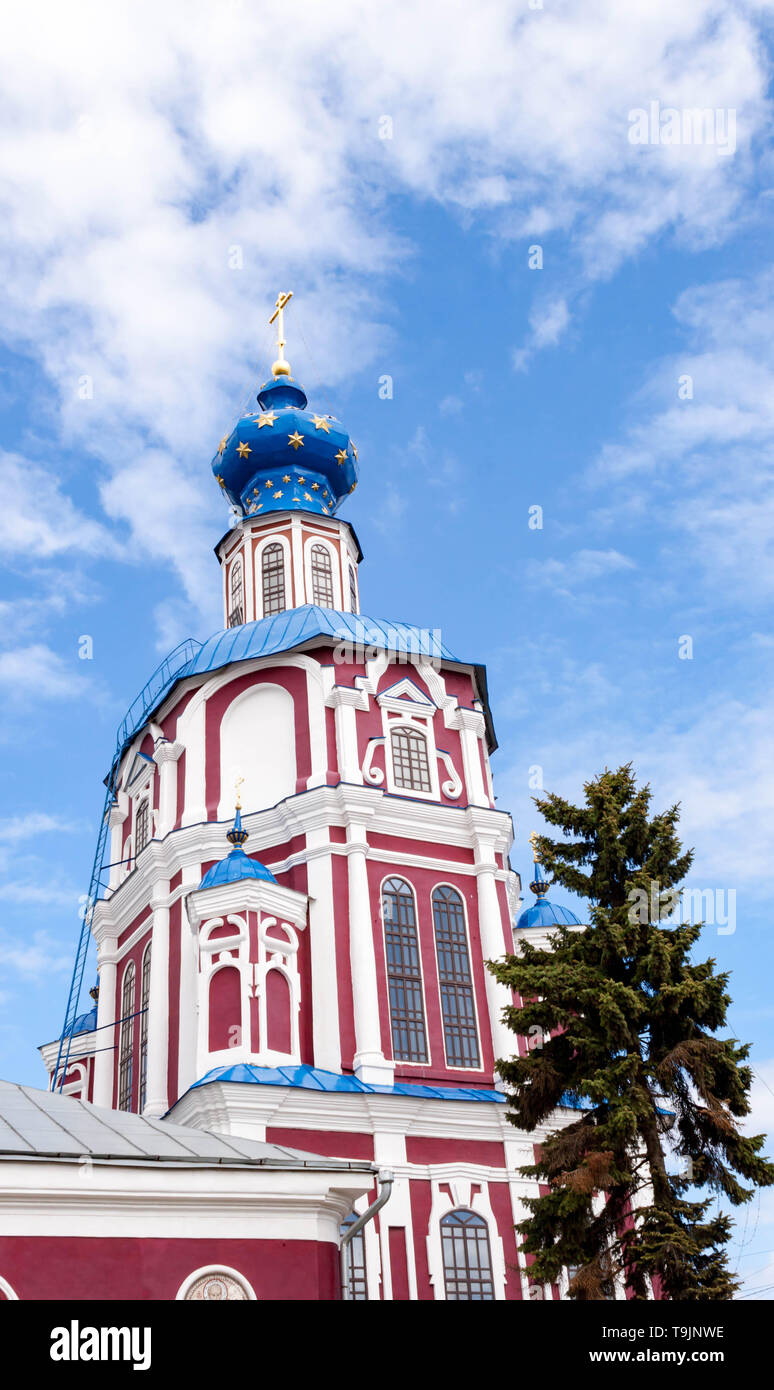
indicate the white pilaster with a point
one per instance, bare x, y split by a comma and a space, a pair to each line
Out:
370, 1062
157, 1101
322, 945
490, 924
165, 755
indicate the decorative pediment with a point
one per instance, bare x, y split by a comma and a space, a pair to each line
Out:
141, 770
404, 697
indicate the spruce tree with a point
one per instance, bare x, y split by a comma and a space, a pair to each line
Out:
628, 1023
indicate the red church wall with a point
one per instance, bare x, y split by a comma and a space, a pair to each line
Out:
278, 1002
328, 1143
427, 1149
48, 1267
396, 1236
225, 1004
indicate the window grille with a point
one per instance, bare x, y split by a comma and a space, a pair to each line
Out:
126, 1045
273, 580
404, 974
410, 766
144, 999
356, 1275
322, 577
236, 609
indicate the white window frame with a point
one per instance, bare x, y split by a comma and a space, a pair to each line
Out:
402, 1061
318, 539
273, 539
455, 1066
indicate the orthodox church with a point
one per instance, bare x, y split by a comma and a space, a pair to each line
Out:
287, 1085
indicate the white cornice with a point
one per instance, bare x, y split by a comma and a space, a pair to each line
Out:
345, 805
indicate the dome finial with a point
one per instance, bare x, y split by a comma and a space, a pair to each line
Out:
538, 885
236, 835
281, 367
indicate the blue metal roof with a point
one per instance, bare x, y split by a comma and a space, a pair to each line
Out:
283, 633
315, 1079
236, 865
547, 914
86, 1023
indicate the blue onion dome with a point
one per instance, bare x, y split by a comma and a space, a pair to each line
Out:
544, 913
280, 458
236, 865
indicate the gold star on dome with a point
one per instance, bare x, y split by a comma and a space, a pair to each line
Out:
243, 450
266, 418
268, 483
300, 479
308, 496
278, 494
325, 509
354, 450
223, 443
320, 423
295, 440
341, 457
286, 478
220, 480
352, 489
315, 487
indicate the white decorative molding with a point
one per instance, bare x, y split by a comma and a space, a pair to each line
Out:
372, 774
452, 788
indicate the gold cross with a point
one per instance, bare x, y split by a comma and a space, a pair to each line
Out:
533, 841
281, 367
237, 785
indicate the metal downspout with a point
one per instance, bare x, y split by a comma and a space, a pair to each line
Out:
385, 1180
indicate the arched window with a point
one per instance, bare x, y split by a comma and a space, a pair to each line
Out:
410, 766
322, 577
404, 975
352, 589
457, 1006
273, 579
144, 997
357, 1278
141, 827
467, 1257
126, 1044
236, 612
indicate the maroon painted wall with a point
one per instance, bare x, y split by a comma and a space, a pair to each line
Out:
46, 1267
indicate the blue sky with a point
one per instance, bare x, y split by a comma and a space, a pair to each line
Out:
134, 176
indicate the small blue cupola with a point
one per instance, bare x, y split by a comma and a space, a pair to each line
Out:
544, 913
236, 865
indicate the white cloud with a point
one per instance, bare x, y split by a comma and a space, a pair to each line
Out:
16, 829
37, 519
38, 671
37, 957
704, 466
580, 568
131, 168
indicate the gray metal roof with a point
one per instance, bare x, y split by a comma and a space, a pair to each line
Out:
44, 1124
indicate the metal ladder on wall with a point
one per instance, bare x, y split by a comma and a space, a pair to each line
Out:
165, 675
